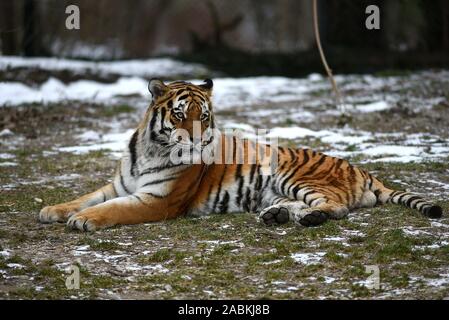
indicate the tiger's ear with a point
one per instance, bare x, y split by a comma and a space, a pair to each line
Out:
207, 86
157, 88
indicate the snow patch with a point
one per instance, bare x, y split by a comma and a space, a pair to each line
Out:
5, 253
329, 280
8, 164
15, 266
308, 258
53, 90
7, 156
6, 133
439, 282
114, 142
373, 107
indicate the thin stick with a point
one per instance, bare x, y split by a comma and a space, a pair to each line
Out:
323, 58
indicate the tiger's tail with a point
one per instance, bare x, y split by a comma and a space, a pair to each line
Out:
407, 199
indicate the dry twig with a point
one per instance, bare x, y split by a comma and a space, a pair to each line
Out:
323, 58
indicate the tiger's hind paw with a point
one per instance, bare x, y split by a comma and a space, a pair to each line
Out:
274, 215
314, 218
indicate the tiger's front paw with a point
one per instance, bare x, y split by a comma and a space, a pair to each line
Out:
88, 220
58, 213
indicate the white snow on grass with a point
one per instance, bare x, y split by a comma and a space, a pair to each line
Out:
8, 164
287, 290
15, 266
6, 132
89, 135
5, 253
314, 77
83, 249
151, 268
214, 243
228, 92
155, 67
66, 177
440, 184
437, 245
269, 93
440, 282
7, 156
113, 142
391, 149
402, 159
241, 92
296, 132
53, 90
338, 239
373, 107
415, 231
329, 280
439, 225
412, 148
308, 258
344, 136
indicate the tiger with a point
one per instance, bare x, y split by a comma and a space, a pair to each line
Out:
305, 187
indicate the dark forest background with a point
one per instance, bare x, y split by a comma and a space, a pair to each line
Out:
239, 37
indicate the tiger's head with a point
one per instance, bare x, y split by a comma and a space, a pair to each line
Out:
181, 115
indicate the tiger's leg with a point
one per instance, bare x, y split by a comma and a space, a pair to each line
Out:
323, 204
61, 212
314, 209
281, 211
132, 209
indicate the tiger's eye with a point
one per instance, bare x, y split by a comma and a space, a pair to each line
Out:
179, 115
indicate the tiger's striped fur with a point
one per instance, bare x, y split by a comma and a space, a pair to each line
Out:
307, 187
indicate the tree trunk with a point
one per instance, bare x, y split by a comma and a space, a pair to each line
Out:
32, 35
8, 28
